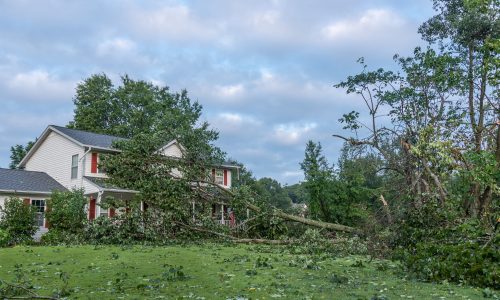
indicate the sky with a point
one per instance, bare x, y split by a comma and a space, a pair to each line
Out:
263, 70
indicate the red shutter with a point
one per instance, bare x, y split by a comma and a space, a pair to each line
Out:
213, 175
225, 177
26, 201
111, 212
93, 165
92, 209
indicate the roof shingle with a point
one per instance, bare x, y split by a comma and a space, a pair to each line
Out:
89, 138
30, 181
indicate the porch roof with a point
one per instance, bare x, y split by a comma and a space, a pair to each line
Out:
105, 186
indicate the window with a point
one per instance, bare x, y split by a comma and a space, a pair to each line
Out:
39, 206
103, 212
74, 166
219, 177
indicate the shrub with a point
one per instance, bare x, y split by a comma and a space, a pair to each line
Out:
435, 243
4, 238
67, 211
467, 262
121, 229
58, 237
18, 220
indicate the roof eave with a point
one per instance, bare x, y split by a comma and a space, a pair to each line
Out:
24, 192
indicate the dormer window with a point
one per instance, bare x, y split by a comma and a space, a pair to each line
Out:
74, 166
219, 177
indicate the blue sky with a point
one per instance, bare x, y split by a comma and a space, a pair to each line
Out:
263, 70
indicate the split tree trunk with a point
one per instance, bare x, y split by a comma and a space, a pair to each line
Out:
315, 223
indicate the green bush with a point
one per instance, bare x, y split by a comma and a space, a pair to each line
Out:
435, 243
58, 237
67, 211
18, 220
468, 263
4, 238
121, 229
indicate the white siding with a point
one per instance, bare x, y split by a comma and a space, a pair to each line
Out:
54, 158
229, 178
2, 199
172, 151
88, 164
89, 187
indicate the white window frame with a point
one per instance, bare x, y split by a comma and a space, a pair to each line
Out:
103, 212
74, 166
219, 177
40, 210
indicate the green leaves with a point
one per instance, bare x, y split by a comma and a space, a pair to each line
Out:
18, 220
67, 211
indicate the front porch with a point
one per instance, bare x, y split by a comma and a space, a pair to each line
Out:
104, 191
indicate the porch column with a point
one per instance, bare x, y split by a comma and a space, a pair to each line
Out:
222, 215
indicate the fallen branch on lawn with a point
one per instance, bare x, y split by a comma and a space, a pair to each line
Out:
236, 240
32, 295
289, 217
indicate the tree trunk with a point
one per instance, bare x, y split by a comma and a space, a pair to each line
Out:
319, 224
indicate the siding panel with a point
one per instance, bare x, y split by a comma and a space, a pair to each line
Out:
54, 158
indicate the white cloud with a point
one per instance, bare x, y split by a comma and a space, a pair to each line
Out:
116, 46
269, 17
291, 134
371, 24
173, 22
40, 85
229, 91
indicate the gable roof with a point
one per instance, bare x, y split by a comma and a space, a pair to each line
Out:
87, 138
21, 181
82, 138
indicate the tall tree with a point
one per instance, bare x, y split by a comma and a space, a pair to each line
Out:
135, 106
318, 176
442, 108
18, 152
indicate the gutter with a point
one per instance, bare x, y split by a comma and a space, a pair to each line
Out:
24, 192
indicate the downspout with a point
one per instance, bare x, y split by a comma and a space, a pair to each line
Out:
83, 165
98, 200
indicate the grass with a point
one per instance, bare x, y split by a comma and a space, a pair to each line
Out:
212, 271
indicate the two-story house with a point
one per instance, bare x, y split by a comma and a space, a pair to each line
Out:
64, 158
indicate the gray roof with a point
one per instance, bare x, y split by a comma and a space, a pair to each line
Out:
104, 184
28, 181
89, 138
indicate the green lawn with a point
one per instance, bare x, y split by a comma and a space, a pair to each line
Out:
213, 271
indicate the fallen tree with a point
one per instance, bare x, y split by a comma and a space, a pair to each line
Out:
286, 216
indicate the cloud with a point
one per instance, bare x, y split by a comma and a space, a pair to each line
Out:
39, 85
263, 70
175, 22
291, 134
374, 29
229, 91
116, 46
